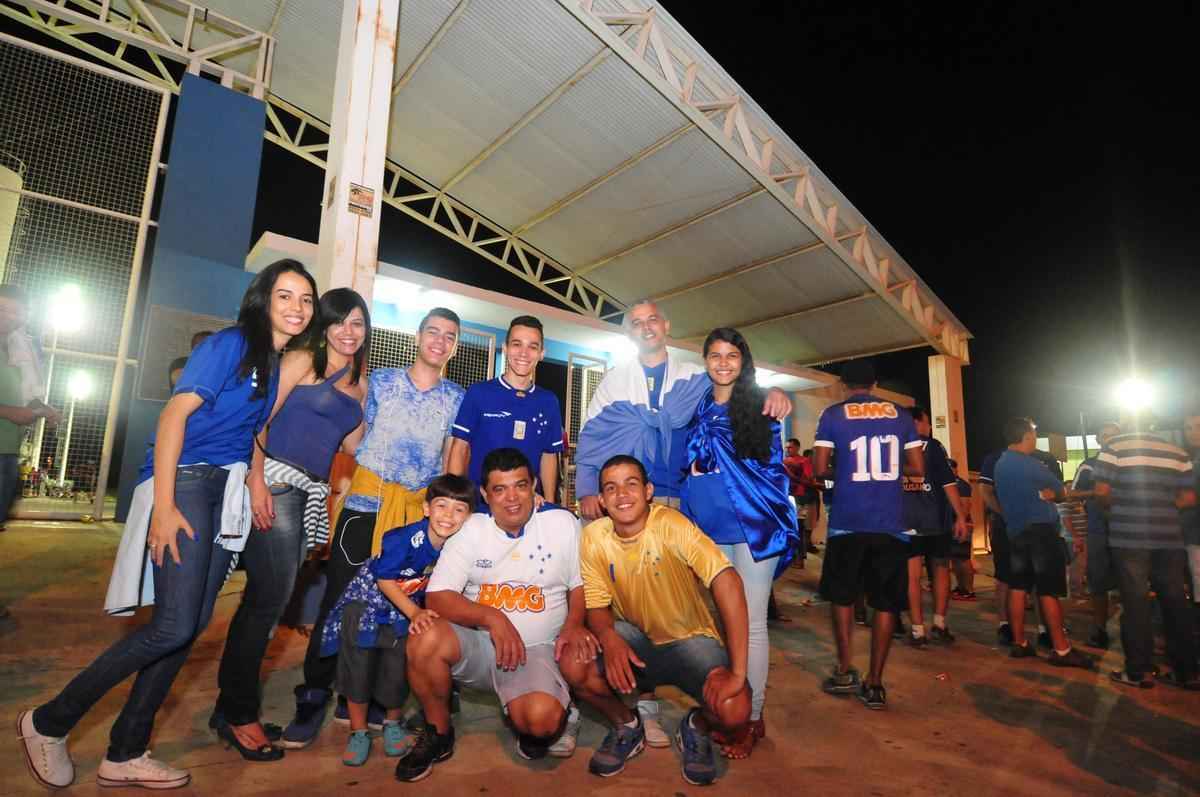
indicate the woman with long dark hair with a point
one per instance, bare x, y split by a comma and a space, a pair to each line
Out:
318, 408
194, 483
737, 493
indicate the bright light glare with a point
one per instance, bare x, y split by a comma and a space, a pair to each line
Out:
764, 376
66, 309
79, 386
622, 348
1134, 394
406, 296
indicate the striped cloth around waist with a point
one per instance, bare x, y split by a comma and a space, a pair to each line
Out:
316, 511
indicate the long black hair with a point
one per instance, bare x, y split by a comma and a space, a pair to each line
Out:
254, 319
336, 305
751, 429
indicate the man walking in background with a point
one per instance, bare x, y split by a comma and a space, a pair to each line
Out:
1146, 481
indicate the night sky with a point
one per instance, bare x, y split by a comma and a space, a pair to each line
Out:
1036, 165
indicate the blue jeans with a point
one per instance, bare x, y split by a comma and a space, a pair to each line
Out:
10, 484
684, 663
184, 595
1166, 571
272, 559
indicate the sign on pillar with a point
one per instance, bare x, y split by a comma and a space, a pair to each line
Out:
348, 248
946, 407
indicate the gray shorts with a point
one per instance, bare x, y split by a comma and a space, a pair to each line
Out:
378, 673
476, 669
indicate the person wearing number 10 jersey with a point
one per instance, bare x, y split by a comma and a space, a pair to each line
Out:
875, 442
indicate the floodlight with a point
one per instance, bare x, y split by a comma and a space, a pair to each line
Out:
1134, 394
79, 385
66, 309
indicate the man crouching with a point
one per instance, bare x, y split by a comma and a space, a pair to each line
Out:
640, 567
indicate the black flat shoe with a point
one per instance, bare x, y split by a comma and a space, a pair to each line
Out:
267, 752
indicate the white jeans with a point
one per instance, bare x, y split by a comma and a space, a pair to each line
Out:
756, 578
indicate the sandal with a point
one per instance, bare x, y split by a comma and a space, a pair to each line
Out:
741, 744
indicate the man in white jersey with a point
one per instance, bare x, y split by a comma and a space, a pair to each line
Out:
510, 598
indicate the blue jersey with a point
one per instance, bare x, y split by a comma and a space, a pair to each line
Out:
870, 436
494, 414
925, 503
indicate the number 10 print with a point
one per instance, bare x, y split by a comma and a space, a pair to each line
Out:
868, 458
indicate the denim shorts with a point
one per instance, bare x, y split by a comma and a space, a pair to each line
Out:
684, 664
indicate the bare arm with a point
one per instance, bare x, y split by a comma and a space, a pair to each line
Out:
777, 405
460, 456
989, 498
914, 463
730, 596
399, 598
821, 461
549, 476
21, 416
167, 521
454, 607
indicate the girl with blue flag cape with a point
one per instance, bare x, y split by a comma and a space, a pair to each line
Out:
737, 492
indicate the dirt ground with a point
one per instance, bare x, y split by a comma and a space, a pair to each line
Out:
961, 720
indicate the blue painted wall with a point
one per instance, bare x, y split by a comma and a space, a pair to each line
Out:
204, 226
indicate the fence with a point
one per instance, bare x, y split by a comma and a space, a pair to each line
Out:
83, 143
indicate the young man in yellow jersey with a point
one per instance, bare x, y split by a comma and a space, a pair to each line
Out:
642, 568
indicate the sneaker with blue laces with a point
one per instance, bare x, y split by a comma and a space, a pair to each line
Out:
358, 749
699, 765
621, 744
396, 739
311, 705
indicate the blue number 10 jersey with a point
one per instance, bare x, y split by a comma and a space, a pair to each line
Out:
869, 435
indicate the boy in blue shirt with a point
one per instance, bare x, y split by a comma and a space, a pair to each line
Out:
510, 411
1026, 490
384, 602
867, 548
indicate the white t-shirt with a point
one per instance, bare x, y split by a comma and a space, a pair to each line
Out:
526, 577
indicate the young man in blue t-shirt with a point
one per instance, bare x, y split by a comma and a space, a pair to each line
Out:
1027, 490
867, 548
510, 411
927, 501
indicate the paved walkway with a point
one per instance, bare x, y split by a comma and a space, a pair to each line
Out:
964, 721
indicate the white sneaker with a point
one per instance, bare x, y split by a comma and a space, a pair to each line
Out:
655, 735
564, 745
46, 756
143, 771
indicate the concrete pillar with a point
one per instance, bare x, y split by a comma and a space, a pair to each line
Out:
11, 184
946, 407
348, 249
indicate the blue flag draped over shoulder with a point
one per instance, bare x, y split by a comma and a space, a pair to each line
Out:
628, 427
757, 493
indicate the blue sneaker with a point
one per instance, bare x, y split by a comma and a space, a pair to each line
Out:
396, 739
375, 714
311, 705
699, 766
620, 745
358, 749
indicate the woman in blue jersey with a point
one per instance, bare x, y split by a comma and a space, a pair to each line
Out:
737, 492
194, 481
318, 408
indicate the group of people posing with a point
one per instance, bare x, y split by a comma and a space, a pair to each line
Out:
450, 567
